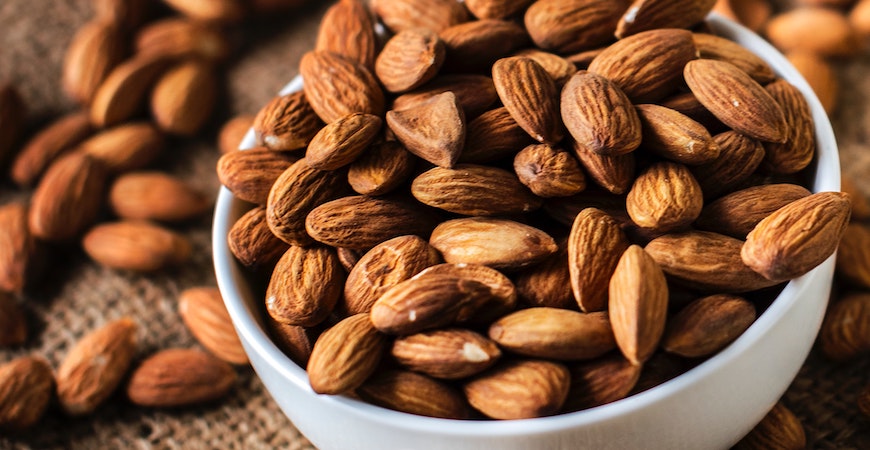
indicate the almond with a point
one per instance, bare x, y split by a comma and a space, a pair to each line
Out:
127, 147
798, 150
738, 158
833, 34
384, 266
819, 74
706, 261
341, 142
859, 17
156, 196
305, 286
94, 51
123, 93
436, 15
664, 197
450, 354
599, 115
177, 37
780, 428
474, 190
361, 222
614, 173
519, 389
797, 237
233, 132
345, 355
504, 293
347, 30
475, 93
295, 341
175, 378
68, 198
753, 14
708, 325
26, 386
250, 174
595, 245
571, 26
13, 323
441, 139
736, 99
529, 94
853, 256
381, 169
548, 283
183, 98
737, 213
492, 136
715, 47
226, 11
860, 202
676, 137
336, 86
845, 332
638, 304
497, 243
136, 246
253, 243
553, 333
287, 122
47, 145
646, 65
474, 46
95, 367
600, 381
204, 313
410, 59
496, 9
559, 68
645, 15
414, 393
19, 250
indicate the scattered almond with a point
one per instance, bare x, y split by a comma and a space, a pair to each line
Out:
175, 378
202, 310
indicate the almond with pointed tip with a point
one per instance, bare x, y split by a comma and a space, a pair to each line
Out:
341, 142
474, 46
595, 245
184, 97
497, 243
600, 381
410, 59
736, 99
123, 93
381, 169
250, 174
287, 122
19, 250
676, 137
664, 197
559, 68
737, 213
434, 130
450, 353
336, 87
123, 148
504, 293
174, 378
305, 286
707, 325
94, 51
797, 152
203, 312
345, 355
738, 158
136, 246
436, 15
474, 190
614, 173
252, 242
415, 393
797, 237
711, 46
599, 116
780, 428
346, 29
179, 37
845, 332
47, 145
554, 333
549, 171
95, 367
156, 196
569, 26
519, 389
493, 135
26, 385
645, 15
295, 341
529, 94
548, 283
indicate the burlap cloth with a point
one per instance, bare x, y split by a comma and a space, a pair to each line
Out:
77, 295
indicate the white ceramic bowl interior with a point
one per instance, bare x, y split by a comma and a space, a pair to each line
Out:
711, 406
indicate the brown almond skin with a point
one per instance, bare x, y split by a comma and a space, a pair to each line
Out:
553, 333
547, 283
250, 174
95, 367
600, 381
347, 30
47, 145
492, 136
345, 355
496, 9
845, 332
707, 325
305, 286
474, 46
433, 130
497, 243
361, 222
737, 213
414, 393
203, 312
819, 74
736, 99
638, 304
93, 52
123, 13
646, 65
136, 246
797, 237
184, 97
253, 243
519, 389
341, 142
664, 197
297, 191
127, 147
676, 137
615, 173
384, 266
853, 256
599, 116
739, 156
564, 210
595, 244
156, 196
706, 261
68, 198
574, 25
286, 123
860, 201
715, 47
175, 378
559, 68
504, 293
529, 93
474, 190
179, 37
123, 93
295, 341
26, 386
410, 59
233, 131
779, 429
833, 37
219, 11
800, 146
19, 250
13, 323
336, 87
381, 169
645, 15
474, 93
450, 354
436, 15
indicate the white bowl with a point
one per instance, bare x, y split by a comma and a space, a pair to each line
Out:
711, 406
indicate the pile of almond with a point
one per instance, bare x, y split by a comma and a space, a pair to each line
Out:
142, 77
518, 209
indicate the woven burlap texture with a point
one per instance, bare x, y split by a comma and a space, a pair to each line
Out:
77, 296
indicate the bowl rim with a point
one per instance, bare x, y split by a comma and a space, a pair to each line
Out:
232, 284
